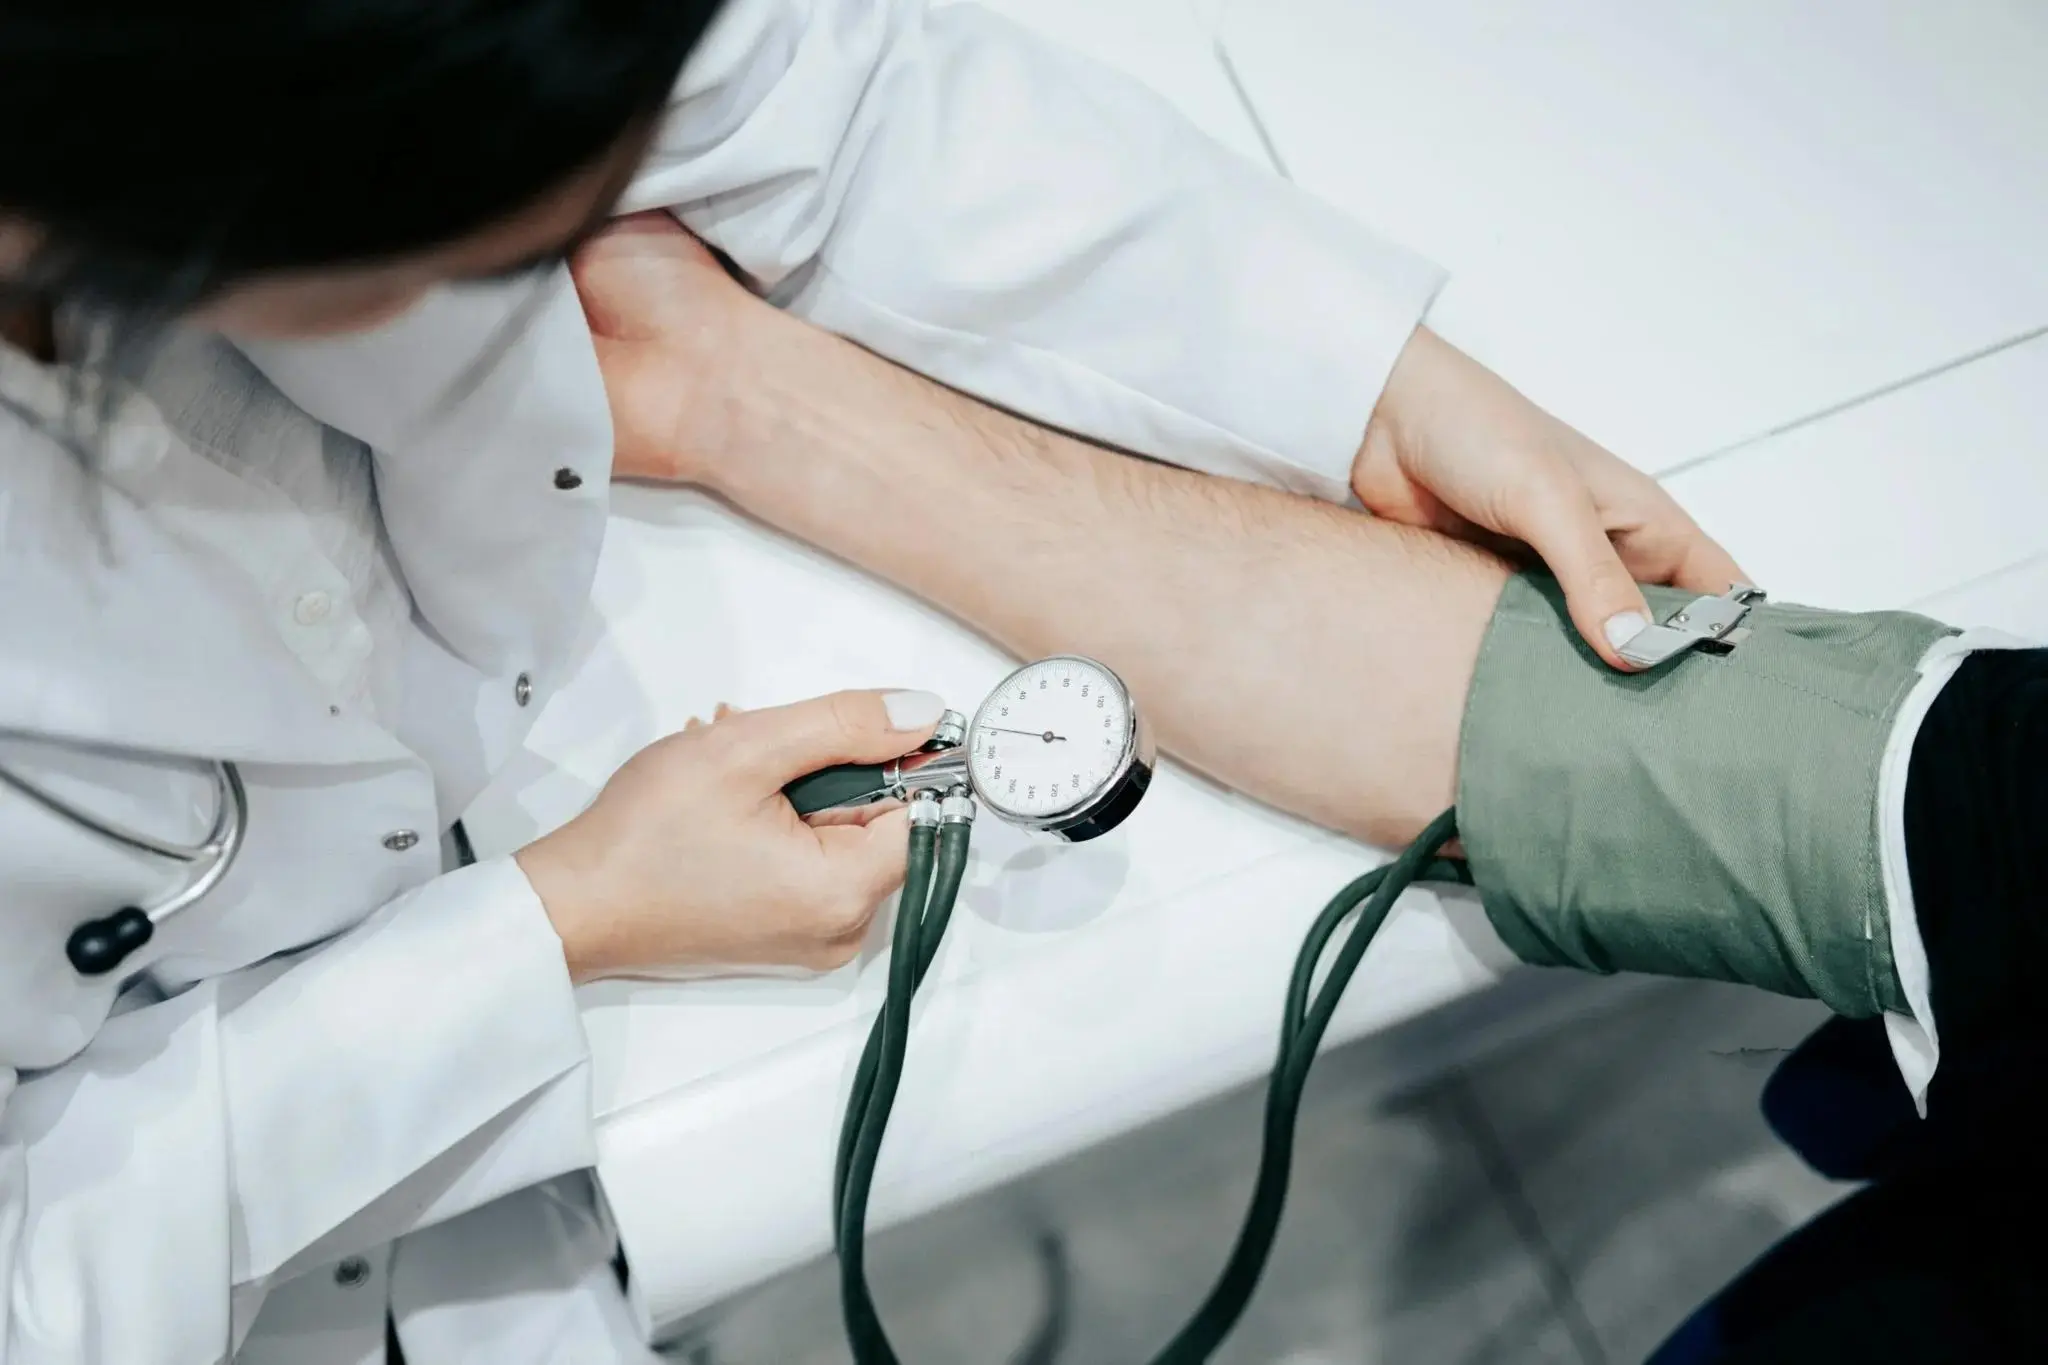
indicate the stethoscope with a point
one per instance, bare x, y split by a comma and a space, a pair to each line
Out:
98, 946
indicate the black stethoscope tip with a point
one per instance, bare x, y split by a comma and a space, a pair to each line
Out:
98, 946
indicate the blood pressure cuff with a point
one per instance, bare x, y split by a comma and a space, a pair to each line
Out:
1716, 817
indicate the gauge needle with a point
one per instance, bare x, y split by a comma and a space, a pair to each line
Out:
1046, 735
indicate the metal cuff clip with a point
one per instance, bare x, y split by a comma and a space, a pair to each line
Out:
1710, 624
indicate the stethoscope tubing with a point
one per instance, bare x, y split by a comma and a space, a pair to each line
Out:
218, 852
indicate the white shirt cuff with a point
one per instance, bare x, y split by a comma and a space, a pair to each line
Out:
1916, 1046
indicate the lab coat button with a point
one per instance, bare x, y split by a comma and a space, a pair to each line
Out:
568, 480
399, 840
138, 446
522, 690
312, 609
351, 1273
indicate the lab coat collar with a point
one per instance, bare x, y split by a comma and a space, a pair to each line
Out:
115, 634
486, 412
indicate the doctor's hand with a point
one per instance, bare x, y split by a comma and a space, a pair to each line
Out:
1452, 446
691, 857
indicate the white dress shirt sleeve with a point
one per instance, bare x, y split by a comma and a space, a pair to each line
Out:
413, 1069
1017, 221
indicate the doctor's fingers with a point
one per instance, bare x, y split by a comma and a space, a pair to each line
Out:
778, 744
861, 866
1660, 543
1558, 519
1656, 538
867, 858
852, 815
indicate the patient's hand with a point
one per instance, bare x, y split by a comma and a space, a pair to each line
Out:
1454, 447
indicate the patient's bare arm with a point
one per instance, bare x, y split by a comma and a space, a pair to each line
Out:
1307, 654
1717, 820
1734, 818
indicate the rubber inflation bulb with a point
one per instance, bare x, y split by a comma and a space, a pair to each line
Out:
99, 946
849, 784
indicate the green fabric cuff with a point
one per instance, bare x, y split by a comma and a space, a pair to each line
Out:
1715, 818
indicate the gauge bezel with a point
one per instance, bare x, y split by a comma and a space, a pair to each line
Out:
1106, 807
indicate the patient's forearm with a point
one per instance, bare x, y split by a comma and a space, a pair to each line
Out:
1307, 654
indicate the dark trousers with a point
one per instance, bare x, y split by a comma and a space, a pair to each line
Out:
1940, 1260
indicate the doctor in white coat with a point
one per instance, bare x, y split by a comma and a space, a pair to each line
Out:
304, 459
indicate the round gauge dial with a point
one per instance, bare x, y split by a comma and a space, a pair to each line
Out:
1053, 738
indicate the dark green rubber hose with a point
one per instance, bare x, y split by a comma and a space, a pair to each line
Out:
926, 906
867, 1116
931, 917
922, 914
1306, 1018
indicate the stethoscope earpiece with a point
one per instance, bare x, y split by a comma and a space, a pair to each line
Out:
98, 946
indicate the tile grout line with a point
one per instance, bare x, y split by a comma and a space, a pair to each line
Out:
1251, 112
1979, 580
1693, 462
1521, 1215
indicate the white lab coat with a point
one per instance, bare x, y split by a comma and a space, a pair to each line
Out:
373, 1049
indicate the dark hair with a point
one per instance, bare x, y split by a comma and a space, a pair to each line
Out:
162, 149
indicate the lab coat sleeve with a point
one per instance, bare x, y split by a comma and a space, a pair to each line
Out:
1006, 216
415, 1068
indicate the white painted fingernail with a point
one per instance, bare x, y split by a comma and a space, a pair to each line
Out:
914, 710
1625, 626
